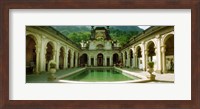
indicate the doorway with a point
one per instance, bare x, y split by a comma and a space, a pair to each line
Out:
100, 59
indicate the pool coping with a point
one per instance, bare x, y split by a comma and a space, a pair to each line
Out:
132, 73
73, 72
141, 80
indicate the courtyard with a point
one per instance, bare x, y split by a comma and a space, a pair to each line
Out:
136, 55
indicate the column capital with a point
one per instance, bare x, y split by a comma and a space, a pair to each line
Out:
155, 50
37, 46
163, 49
158, 36
142, 42
65, 56
54, 50
136, 54
37, 50
146, 52
124, 55
127, 53
163, 46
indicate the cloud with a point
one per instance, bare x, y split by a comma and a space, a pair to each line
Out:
144, 27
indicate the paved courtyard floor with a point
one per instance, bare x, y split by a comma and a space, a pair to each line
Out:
167, 77
43, 76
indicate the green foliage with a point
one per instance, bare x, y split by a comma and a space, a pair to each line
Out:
150, 64
77, 33
77, 37
122, 36
71, 29
52, 65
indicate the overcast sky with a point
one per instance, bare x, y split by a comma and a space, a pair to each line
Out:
144, 27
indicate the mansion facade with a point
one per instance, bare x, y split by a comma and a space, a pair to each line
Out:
45, 44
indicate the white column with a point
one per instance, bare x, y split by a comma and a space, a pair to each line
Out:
143, 57
128, 59
111, 60
136, 59
155, 62
56, 57
146, 57
76, 60
163, 49
105, 61
65, 60
158, 55
42, 56
37, 59
89, 60
72, 59
45, 60
95, 61
124, 59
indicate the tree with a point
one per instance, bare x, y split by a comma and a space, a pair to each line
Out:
77, 37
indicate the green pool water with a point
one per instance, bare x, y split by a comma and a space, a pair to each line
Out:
100, 75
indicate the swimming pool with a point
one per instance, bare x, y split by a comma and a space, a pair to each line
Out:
100, 75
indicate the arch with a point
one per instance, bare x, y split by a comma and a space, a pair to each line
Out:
116, 59
139, 51
78, 59
149, 42
125, 59
33, 36
100, 59
63, 48
150, 51
61, 58
131, 57
52, 44
84, 60
50, 49
122, 60
138, 57
166, 37
69, 58
74, 59
125, 53
31, 54
169, 53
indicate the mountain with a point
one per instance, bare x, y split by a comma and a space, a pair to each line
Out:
71, 29
79, 33
127, 28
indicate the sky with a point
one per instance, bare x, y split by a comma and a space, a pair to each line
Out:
144, 27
